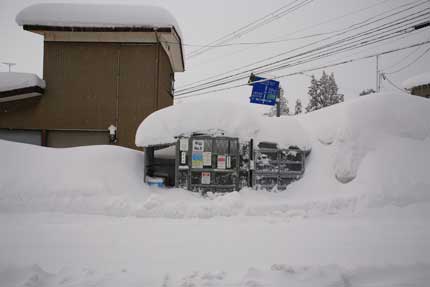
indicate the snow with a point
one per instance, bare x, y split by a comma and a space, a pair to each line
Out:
374, 124
359, 216
416, 81
12, 81
96, 15
219, 117
80, 250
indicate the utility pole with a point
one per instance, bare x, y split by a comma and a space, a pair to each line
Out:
278, 102
378, 76
9, 64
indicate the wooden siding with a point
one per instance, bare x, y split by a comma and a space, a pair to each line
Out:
422, 91
93, 85
137, 90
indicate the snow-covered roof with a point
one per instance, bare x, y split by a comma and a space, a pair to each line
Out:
416, 81
16, 86
219, 118
13, 81
69, 22
96, 15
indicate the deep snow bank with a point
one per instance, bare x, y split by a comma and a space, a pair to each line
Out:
370, 152
38, 178
277, 275
378, 125
219, 118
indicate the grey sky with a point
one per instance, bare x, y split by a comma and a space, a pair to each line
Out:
202, 21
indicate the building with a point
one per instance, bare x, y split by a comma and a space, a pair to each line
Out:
419, 85
105, 66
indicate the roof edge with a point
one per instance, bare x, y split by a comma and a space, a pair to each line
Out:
99, 29
22, 91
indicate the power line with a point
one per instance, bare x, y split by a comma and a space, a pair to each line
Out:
267, 19
274, 69
312, 69
247, 28
327, 21
358, 36
404, 58
316, 57
252, 43
309, 51
410, 64
353, 27
384, 76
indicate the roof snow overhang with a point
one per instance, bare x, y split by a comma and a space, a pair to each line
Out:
21, 93
168, 37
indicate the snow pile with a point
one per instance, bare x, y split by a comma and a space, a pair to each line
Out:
359, 217
416, 81
278, 275
387, 126
96, 15
364, 155
12, 81
35, 178
219, 118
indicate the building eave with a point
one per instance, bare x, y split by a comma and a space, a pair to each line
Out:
22, 93
171, 33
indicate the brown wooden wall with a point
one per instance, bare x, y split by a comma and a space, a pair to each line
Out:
94, 85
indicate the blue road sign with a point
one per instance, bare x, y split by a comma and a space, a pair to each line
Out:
264, 93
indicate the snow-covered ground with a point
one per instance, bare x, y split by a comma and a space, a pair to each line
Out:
359, 217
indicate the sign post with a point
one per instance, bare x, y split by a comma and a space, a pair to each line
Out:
266, 92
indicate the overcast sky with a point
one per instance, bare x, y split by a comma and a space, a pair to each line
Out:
202, 21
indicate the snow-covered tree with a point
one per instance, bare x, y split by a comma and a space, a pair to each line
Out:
367, 92
323, 92
298, 108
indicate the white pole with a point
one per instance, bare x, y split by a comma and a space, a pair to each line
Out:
378, 77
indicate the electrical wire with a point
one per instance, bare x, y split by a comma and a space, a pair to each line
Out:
353, 27
311, 69
361, 34
410, 64
296, 55
384, 76
306, 28
288, 65
404, 58
267, 19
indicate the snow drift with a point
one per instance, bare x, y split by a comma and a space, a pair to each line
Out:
219, 118
72, 180
368, 152
359, 217
375, 124
278, 275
